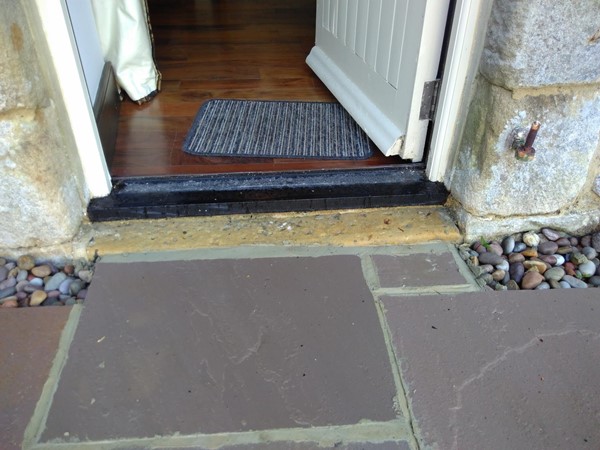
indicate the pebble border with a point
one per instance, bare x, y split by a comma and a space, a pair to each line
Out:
547, 259
25, 282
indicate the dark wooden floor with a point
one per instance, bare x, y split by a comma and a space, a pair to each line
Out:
248, 49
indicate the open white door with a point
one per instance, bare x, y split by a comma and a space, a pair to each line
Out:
375, 56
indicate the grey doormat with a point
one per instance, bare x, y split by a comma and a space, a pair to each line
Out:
276, 129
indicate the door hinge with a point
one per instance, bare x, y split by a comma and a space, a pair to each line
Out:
431, 90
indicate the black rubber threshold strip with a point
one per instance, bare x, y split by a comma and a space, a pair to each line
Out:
247, 193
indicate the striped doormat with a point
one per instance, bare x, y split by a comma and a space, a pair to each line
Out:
276, 129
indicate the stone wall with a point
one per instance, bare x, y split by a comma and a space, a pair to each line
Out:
541, 61
42, 198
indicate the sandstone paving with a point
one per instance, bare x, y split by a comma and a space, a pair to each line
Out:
28, 346
501, 370
224, 346
269, 347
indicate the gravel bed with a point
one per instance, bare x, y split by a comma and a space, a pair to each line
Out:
26, 282
548, 259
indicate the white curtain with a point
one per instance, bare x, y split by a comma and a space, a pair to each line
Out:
126, 40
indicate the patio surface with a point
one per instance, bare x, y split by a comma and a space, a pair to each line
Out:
280, 347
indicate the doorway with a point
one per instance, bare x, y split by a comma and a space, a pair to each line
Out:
240, 49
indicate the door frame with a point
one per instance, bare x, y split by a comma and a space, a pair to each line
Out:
460, 66
56, 24
462, 57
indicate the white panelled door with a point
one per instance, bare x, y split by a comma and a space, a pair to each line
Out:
375, 56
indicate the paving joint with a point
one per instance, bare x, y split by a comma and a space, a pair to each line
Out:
325, 436
36, 425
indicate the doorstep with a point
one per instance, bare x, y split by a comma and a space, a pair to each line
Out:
359, 227
267, 192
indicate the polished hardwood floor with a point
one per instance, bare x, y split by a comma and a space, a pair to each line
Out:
245, 49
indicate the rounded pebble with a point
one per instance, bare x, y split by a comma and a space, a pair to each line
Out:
579, 258
8, 292
560, 260
596, 241
587, 269
550, 234
37, 298
589, 252
554, 284
517, 270
65, 285
530, 253
516, 257
519, 247
490, 258
486, 278
554, 273
570, 268
78, 285
496, 248
531, 280
564, 284
547, 248
26, 262
512, 285
504, 265
22, 275
542, 286
85, 275
10, 304
508, 245
55, 281
36, 282
52, 294
550, 259
41, 271
595, 280
9, 282
3, 273
498, 275
9, 298
531, 239
575, 282
540, 266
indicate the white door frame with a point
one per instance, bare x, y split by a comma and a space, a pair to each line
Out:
55, 21
460, 66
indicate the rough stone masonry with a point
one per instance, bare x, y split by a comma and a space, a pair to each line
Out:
541, 61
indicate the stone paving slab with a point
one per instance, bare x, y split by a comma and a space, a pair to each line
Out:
501, 370
221, 346
28, 345
418, 270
